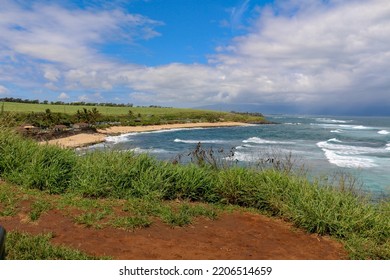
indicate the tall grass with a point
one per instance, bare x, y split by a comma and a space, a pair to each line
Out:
26, 163
23, 246
318, 208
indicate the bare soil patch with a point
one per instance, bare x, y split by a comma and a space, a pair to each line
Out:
237, 235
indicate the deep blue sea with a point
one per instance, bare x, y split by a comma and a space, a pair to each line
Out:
359, 146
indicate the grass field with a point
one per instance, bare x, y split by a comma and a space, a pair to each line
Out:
13, 114
106, 110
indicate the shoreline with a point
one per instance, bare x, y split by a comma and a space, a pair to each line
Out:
87, 139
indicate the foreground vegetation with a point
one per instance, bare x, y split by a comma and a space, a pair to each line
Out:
319, 208
22, 246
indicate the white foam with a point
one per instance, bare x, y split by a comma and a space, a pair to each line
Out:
245, 147
348, 150
361, 127
349, 156
199, 141
325, 120
343, 126
348, 161
258, 140
336, 131
388, 146
126, 137
148, 151
383, 132
248, 157
335, 140
120, 138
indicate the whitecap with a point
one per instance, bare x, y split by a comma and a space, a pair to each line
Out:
120, 138
147, 151
199, 141
388, 146
383, 132
258, 140
361, 127
246, 146
343, 126
336, 131
348, 156
239, 156
335, 140
347, 149
348, 161
326, 120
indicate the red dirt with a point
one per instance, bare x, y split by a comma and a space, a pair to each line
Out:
240, 236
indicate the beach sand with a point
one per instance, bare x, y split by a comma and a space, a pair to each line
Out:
86, 139
78, 140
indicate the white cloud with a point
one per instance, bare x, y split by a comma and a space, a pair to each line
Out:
63, 96
52, 74
3, 90
83, 98
321, 54
68, 37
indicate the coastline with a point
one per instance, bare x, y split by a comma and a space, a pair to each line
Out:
86, 139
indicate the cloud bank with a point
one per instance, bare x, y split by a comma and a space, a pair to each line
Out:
309, 56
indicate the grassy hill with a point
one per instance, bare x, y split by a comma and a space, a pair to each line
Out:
106, 110
48, 115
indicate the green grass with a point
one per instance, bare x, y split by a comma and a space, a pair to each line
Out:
167, 113
91, 219
107, 110
8, 202
184, 214
23, 246
47, 115
131, 223
39, 207
146, 183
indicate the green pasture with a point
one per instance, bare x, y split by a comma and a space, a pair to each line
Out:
105, 110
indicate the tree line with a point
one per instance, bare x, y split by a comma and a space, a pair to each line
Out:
81, 103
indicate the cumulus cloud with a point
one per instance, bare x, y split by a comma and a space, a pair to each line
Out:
311, 56
53, 33
3, 90
63, 96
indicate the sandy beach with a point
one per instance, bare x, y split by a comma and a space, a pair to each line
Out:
78, 140
85, 139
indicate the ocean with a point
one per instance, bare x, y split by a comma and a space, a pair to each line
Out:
324, 145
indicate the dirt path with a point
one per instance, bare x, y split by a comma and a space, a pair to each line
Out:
232, 236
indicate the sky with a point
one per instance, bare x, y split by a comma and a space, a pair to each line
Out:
271, 56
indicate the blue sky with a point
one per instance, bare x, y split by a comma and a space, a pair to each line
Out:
273, 56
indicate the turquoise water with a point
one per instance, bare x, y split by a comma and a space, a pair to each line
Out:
325, 145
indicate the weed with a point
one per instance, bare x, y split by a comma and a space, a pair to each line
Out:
8, 201
131, 223
91, 219
22, 246
37, 208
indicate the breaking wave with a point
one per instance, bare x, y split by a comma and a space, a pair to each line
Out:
350, 156
200, 141
383, 132
325, 120
258, 140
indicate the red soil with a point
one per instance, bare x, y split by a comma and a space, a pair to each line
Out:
241, 236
